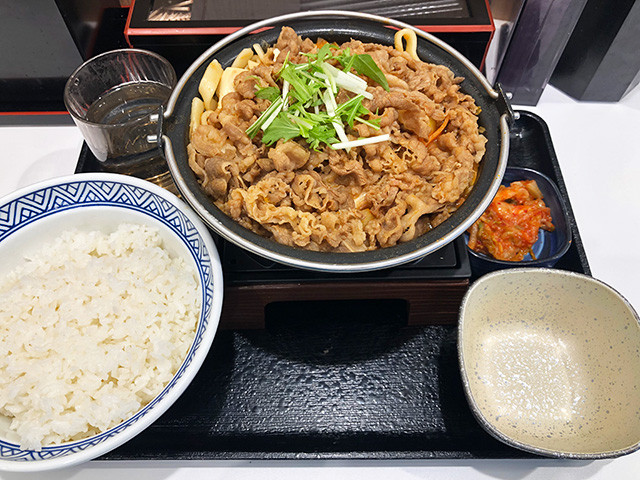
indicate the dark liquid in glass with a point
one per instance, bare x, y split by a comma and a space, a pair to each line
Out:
128, 102
131, 104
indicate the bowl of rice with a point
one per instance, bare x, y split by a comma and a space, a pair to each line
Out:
110, 296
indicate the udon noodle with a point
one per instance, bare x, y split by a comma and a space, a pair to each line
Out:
335, 180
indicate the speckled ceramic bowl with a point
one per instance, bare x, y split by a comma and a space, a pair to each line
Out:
550, 362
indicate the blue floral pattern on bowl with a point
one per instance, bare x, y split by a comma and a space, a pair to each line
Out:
88, 192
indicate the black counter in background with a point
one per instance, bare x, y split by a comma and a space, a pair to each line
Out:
44, 41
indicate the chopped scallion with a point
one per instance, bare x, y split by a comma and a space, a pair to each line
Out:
360, 142
307, 106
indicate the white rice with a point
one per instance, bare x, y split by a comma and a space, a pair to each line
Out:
92, 327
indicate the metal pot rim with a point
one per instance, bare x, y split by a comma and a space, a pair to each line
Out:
329, 266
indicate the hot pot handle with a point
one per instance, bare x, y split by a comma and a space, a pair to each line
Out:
503, 102
157, 119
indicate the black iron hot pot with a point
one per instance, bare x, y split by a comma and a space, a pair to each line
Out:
338, 26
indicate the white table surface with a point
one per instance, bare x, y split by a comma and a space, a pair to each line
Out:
598, 147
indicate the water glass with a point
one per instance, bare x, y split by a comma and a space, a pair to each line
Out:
113, 98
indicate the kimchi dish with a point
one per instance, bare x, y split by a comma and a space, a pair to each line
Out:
328, 147
509, 228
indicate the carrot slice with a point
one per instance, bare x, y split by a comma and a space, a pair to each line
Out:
440, 129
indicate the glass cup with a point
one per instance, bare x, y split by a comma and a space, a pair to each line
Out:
113, 99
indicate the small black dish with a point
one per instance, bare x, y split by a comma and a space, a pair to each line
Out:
550, 247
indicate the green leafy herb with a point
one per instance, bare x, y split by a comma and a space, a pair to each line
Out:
321, 133
347, 60
349, 110
303, 85
365, 65
373, 123
323, 52
280, 129
307, 108
269, 93
253, 129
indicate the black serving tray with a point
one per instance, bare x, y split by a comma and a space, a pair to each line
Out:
339, 380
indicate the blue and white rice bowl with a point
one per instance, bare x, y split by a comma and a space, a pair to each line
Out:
101, 201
